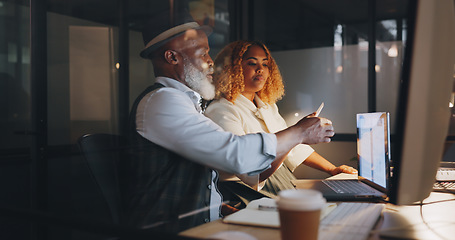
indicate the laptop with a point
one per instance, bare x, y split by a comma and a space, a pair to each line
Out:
373, 152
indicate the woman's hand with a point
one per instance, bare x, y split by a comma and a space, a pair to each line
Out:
343, 169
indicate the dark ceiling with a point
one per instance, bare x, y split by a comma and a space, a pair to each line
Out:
356, 11
107, 11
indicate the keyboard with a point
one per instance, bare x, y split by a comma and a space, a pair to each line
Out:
350, 221
444, 186
347, 186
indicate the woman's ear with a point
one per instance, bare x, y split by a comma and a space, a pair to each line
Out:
171, 56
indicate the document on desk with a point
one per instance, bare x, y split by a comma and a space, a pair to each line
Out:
263, 213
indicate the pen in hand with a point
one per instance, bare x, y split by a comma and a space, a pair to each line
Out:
319, 109
267, 208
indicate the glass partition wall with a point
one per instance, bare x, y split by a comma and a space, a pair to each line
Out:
323, 50
15, 113
69, 68
345, 54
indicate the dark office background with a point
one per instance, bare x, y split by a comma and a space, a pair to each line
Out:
43, 106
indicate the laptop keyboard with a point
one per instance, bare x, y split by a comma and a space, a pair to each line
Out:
350, 221
348, 186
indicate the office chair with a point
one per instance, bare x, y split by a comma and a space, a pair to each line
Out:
103, 154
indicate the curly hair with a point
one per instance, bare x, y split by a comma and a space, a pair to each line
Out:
228, 75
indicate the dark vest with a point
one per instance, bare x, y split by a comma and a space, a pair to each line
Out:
161, 185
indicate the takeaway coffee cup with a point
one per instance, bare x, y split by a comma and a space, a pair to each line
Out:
300, 211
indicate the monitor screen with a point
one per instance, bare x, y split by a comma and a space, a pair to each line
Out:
373, 146
423, 107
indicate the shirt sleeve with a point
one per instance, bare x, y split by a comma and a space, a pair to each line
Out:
297, 156
299, 153
168, 118
227, 116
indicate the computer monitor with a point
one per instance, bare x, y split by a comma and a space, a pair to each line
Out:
423, 107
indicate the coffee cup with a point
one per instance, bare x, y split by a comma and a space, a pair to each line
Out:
300, 211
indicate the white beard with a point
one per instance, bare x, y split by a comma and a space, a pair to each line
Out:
198, 81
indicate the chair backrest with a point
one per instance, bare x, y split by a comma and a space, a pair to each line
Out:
103, 154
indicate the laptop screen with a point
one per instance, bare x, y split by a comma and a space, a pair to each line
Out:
373, 146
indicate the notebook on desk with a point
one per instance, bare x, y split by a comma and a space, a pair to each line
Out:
263, 213
373, 150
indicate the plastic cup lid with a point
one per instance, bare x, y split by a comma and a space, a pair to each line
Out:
300, 199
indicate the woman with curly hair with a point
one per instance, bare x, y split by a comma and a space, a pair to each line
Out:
248, 84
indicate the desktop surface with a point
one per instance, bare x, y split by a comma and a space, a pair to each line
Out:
434, 221
397, 222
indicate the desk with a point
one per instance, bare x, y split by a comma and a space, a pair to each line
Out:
405, 219
208, 229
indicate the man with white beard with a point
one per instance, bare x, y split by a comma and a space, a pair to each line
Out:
198, 80
171, 176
